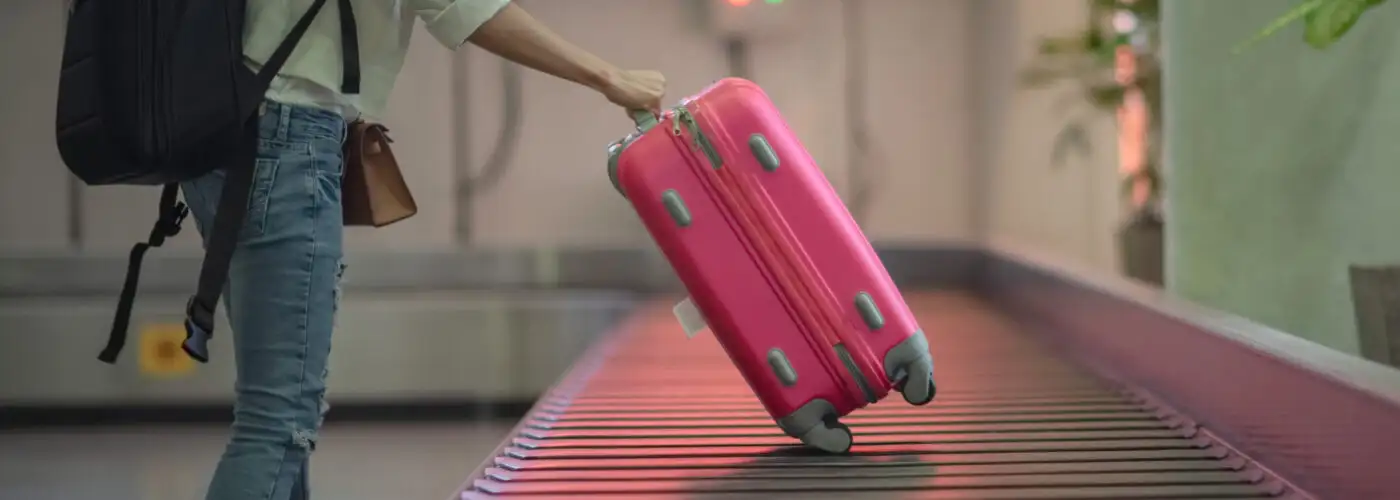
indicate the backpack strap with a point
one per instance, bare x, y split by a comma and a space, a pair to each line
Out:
223, 239
349, 50
238, 183
172, 213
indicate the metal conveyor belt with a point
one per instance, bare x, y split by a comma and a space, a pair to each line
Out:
652, 414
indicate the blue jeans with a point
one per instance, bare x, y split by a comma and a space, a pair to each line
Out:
281, 298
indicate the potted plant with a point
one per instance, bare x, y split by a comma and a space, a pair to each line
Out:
1114, 67
1375, 289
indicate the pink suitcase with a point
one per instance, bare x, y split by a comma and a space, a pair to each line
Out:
784, 278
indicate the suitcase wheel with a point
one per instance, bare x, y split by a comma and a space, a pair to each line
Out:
910, 370
817, 424
831, 436
918, 394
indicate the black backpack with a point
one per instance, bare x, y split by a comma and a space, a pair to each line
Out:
156, 92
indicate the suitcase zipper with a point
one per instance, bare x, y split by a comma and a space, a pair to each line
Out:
702, 143
784, 262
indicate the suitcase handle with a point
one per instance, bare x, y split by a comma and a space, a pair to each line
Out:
644, 119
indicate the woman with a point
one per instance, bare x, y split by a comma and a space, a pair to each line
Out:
283, 283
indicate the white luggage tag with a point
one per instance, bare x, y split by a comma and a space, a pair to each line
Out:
690, 318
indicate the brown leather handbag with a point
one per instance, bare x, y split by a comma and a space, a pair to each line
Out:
373, 191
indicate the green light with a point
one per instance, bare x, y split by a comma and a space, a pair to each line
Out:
772, 2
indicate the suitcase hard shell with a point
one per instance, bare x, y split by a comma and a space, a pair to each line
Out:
781, 273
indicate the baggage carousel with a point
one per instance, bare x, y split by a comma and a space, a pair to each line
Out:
1051, 386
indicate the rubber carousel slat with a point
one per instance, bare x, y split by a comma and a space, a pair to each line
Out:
912, 428
815, 471
726, 450
1163, 458
761, 419
1221, 481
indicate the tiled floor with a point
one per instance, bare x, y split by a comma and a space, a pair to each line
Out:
352, 462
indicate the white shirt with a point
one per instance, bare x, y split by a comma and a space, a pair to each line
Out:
311, 76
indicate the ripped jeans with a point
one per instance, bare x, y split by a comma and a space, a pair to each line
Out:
281, 299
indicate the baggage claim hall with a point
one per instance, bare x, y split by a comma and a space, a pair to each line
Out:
1152, 254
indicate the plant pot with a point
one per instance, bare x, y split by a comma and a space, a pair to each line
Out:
1141, 247
1375, 294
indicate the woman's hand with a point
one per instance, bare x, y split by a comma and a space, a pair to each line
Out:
636, 90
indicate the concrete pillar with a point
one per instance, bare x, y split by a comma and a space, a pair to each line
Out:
1283, 164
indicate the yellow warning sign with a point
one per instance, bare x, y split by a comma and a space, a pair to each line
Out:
161, 355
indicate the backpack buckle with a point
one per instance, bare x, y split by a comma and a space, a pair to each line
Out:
169, 224
199, 326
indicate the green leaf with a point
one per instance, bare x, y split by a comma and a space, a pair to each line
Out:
1333, 19
1324, 21
1093, 39
1106, 53
1147, 10
1292, 16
